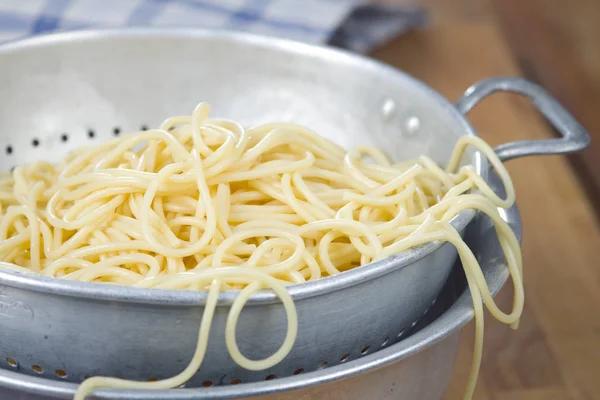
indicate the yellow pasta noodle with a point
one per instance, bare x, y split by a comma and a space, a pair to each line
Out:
205, 204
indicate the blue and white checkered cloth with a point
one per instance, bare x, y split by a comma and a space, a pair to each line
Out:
352, 24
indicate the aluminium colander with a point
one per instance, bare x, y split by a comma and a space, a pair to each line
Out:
71, 89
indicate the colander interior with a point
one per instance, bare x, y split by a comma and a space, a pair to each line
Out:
77, 89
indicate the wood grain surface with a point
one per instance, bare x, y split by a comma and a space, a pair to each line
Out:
556, 352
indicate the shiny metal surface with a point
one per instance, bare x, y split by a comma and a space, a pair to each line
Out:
417, 367
81, 88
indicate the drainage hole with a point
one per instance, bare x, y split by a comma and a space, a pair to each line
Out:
12, 362
235, 381
152, 379
35, 142
144, 127
91, 134
298, 371
322, 365
385, 341
9, 149
207, 383
116, 132
365, 350
270, 377
401, 333
37, 369
64, 137
345, 357
61, 373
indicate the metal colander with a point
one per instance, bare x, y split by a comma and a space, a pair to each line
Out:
62, 91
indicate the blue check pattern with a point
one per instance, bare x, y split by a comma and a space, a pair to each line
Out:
353, 24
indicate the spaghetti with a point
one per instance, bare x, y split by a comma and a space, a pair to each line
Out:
204, 204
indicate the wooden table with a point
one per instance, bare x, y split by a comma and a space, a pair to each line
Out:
556, 352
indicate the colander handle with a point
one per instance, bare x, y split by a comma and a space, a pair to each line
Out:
573, 136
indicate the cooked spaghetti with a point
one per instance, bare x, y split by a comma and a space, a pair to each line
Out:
204, 204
